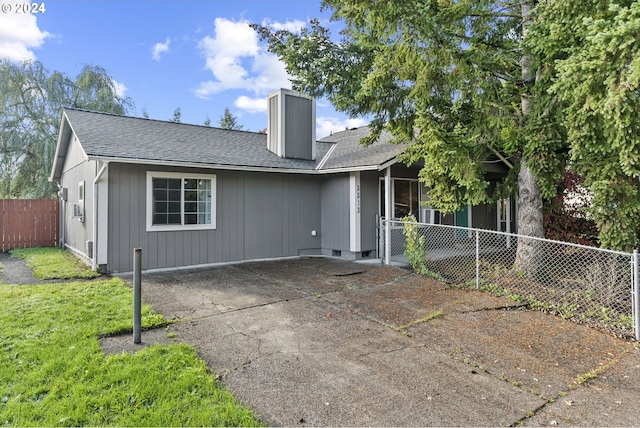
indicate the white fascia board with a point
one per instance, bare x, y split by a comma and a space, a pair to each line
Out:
326, 157
66, 134
388, 163
349, 169
233, 167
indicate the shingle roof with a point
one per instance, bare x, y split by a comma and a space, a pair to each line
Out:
349, 153
124, 138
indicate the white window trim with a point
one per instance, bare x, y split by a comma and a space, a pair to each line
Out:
177, 227
81, 197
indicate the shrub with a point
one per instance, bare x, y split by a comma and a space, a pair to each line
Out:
414, 249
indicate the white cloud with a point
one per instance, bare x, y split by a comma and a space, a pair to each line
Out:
237, 61
160, 48
252, 105
293, 26
120, 88
19, 34
327, 125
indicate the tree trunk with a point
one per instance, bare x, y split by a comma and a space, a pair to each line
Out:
528, 256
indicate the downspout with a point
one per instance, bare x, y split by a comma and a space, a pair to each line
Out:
62, 215
94, 259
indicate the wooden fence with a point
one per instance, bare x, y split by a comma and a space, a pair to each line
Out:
28, 223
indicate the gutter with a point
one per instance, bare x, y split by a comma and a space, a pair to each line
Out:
235, 167
94, 259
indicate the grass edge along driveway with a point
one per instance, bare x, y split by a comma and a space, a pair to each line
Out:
54, 373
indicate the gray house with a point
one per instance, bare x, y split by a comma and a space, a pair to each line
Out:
193, 195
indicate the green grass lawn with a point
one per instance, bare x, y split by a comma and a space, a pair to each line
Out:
54, 263
54, 373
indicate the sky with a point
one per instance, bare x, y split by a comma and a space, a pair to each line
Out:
197, 55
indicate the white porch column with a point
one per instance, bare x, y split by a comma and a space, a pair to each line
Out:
100, 200
387, 215
354, 212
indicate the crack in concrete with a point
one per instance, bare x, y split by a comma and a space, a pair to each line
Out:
497, 308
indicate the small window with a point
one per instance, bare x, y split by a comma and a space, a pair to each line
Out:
405, 198
180, 201
79, 208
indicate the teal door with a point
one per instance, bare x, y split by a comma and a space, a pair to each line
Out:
461, 219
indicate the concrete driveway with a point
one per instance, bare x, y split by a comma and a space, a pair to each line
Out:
324, 342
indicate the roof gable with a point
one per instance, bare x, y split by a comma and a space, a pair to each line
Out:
349, 153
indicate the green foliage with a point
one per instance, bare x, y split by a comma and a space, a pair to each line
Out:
31, 102
414, 245
54, 263
177, 115
451, 70
541, 82
593, 51
229, 121
54, 372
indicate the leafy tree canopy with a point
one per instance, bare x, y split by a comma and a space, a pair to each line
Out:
541, 83
452, 70
31, 102
453, 78
593, 47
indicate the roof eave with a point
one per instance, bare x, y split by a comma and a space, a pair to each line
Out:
388, 163
62, 146
233, 167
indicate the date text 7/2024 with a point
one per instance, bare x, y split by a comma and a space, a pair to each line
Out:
23, 8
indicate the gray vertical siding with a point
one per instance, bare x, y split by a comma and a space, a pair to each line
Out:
298, 126
369, 182
335, 213
258, 215
76, 169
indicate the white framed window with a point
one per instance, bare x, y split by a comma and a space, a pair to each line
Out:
78, 209
409, 196
504, 215
177, 201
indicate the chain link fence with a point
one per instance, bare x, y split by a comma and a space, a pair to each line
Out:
588, 285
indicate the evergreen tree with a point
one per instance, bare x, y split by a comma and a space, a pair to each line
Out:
229, 121
590, 51
177, 115
453, 78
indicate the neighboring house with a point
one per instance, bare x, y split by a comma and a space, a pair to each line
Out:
193, 195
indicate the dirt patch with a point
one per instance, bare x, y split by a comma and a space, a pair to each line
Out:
539, 352
115, 345
607, 399
16, 272
410, 298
